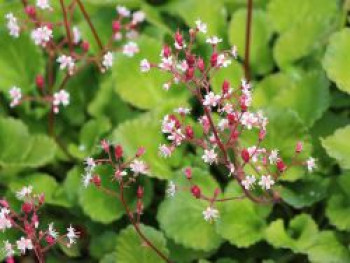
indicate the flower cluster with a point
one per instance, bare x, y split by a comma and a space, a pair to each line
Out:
27, 222
71, 52
226, 116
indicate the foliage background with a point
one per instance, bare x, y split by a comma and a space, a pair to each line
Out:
300, 57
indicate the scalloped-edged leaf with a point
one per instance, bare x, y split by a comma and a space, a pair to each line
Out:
19, 148
338, 146
303, 26
338, 205
242, 222
104, 208
261, 55
304, 193
337, 59
20, 61
143, 90
145, 131
300, 234
102, 244
131, 248
181, 218
306, 93
182, 254
233, 73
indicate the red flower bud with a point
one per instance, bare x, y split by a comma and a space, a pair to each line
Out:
41, 198
299, 147
188, 173
50, 240
140, 192
196, 191
140, 151
231, 118
280, 165
191, 59
225, 87
27, 208
39, 81
245, 155
175, 119
189, 132
234, 135
4, 203
96, 180
166, 51
262, 134
214, 59
10, 260
116, 26
118, 151
200, 64
105, 146
49, 25
243, 106
189, 73
178, 38
85, 46
30, 11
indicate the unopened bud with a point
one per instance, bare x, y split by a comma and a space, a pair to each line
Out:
196, 191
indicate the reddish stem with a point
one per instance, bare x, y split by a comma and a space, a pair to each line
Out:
247, 39
66, 25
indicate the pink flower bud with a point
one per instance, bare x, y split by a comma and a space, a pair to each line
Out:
172, 117
299, 147
105, 146
140, 151
166, 51
41, 198
188, 173
189, 132
140, 192
178, 38
200, 64
116, 26
30, 11
231, 118
4, 203
243, 106
216, 192
214, 59
27, 208
189, 74
225, 87
196, 191
50, 240
85, 46
190, 59
280, 165
39, 81
96, 180
10, 260
234, 135
262, 134
118, 151
245, 155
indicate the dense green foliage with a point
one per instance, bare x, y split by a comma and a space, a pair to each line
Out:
300, 60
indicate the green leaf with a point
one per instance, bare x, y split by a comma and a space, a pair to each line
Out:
233, 73
261, 56
337, 146
103, 244
20, 149
303, 27
306, 93
242, 222
337, 59
181, 218
20, 62
104, 208
300, 234
306, 192
143, 90
338, 205
131, 248
144, 131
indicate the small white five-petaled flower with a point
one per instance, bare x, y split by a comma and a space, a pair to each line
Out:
171, 190
107, 60
214, 40
130, 49
202, 27
266, 182
209, 156
248, 182
23, 244
311, 164
210, 214
138, 167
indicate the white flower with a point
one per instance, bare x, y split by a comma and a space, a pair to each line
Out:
222, 61
234, 52
139, 167
41, 35
266, 182
202, 27
52, 231
130, 49
132, 34
107, 60
76, 35
90, 164
232, 169
183, 66
248, 182
182, 111
311, 164
145, 66
223, 124
210, 214
214, 40
166, 63
248, 120
171, 190
5, 222
12, 25
177, 136
23, 244
66, 62
166, 86
168, 124
165, 151
211, 99
61, 97
123, 11
273, 157
86, 179
209, 156
16, 96
71, 235
138, 17
43, 4
24, 192
8, 247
